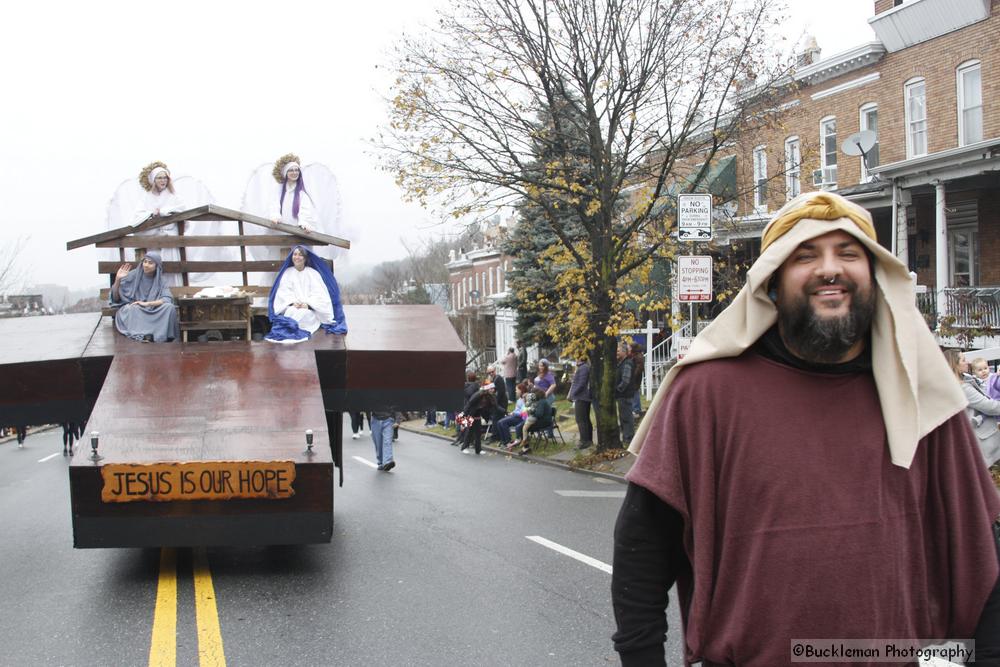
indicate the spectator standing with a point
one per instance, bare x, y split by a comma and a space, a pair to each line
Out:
522, 361
580, 394
624, 394
499, 389
638, 370
545, 381
983, 411
358, 424
510, 373
381, 426
482, 405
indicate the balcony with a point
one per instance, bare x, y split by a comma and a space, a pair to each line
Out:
920, 20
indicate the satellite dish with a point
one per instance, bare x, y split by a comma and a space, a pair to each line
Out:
859, 143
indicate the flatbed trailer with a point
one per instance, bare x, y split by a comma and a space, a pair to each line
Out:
206, 443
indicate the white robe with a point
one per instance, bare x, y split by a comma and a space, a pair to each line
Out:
166, 202
305, 286
283, 211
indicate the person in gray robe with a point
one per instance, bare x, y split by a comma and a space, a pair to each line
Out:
145, 307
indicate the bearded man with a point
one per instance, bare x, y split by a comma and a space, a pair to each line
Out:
838, 494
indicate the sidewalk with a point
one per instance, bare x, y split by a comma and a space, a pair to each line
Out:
571, 459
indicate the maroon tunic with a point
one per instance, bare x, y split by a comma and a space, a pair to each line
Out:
798, 525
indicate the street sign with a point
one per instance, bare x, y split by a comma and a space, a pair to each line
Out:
694, 278
683, 345
694, 217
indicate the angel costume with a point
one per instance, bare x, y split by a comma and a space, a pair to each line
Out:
136, 321
132, 205
313, 285
318, 205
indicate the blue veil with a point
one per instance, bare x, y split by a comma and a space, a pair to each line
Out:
285, 328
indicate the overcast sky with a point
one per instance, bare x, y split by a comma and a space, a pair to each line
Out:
94, 91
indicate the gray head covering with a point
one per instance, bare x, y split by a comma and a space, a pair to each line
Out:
138, 286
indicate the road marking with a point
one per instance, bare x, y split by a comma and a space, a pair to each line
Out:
366, 462
163, 646
210, 651
566, 551
50, 456
592, 494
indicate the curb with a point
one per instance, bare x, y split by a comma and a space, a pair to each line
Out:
524, 457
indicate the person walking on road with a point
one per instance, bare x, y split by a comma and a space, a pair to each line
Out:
579, 393
382, 424
843, 497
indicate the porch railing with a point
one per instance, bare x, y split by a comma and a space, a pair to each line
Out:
973, 307
662, 356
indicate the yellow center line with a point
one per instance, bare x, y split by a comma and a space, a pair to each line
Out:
210, 653
163, 646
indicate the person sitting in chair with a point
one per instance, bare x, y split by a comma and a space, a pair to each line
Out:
304, 298
146, 309
539, 418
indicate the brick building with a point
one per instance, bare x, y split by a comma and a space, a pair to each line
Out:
477, 280
929, 90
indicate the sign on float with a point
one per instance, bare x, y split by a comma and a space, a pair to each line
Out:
203, 480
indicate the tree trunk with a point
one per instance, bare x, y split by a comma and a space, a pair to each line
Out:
605, 408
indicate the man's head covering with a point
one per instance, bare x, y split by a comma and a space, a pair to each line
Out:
917, 391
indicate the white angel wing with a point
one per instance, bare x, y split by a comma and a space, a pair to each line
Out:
321, 185
193, 193
258, 199
121, 207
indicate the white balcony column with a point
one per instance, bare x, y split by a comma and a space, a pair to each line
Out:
940, 249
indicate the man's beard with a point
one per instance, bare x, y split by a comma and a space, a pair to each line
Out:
825, 340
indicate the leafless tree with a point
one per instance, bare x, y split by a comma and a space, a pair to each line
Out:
12, 272
617, 96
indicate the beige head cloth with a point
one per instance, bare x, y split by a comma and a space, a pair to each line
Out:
916, 389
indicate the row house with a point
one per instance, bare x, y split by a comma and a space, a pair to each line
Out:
477, 282
928, 92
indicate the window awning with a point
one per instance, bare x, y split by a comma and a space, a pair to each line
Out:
719, 181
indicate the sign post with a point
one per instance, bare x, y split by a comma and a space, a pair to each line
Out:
694, 217
694, 224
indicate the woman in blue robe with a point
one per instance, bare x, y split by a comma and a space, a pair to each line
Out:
145, 306
304, 298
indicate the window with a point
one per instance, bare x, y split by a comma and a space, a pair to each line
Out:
869, 121
828, 151
970, 103
793, 167
915, 94
963, 252
760, 178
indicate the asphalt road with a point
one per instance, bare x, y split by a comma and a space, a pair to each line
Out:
448, 560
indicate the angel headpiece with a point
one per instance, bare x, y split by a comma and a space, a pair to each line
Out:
280, 173
149, 173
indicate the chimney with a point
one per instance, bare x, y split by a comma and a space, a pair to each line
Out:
809, 54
